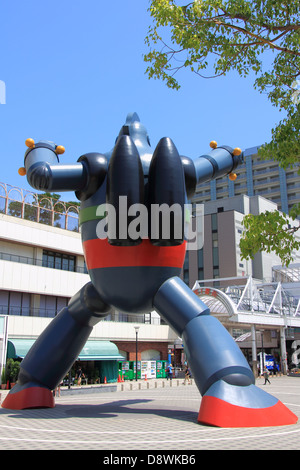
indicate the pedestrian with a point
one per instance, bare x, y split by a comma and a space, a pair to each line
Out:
266, 376
57, 389
187, 376
80, 375
170, 372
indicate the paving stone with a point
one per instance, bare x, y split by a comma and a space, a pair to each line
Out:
142, 416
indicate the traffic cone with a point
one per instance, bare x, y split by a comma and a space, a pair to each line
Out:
105, 381
145, 377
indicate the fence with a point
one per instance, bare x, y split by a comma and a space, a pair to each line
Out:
42, 208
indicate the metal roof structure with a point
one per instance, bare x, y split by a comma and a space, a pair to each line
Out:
246, 300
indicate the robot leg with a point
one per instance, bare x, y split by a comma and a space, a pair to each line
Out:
221, 372
55, 350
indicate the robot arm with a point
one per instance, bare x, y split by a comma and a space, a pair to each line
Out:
218, 162
44, 172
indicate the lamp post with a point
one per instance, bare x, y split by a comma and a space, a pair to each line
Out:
262, 351
136, 351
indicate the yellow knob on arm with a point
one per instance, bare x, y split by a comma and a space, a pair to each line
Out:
60, 150
29, 143
213, 144
237, 151
232, 176
22, 171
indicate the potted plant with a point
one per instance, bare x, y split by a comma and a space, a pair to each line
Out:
3, 379
12, 371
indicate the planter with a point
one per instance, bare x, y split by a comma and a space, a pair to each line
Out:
12, 384
3, 386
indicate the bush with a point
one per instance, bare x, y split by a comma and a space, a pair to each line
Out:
12, 370
3, 376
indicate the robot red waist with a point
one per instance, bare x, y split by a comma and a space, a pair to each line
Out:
100, 254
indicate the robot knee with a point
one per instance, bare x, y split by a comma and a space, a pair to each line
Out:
87, 307
239, 379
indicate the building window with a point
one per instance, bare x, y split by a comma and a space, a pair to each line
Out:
50, 305
186, 269
52, 259
14, 303
200, 264
215, 257
214, 223
200, 274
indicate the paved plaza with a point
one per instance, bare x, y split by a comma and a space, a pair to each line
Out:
153, 416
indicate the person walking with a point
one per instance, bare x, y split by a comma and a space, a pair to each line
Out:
266, 376
170, 372
80, 376
57, 389
187, 376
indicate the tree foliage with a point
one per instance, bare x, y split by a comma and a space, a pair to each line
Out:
261, 37
269, 231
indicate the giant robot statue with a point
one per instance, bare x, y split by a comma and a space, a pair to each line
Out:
137, 274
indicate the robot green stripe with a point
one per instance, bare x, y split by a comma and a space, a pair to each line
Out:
90, 213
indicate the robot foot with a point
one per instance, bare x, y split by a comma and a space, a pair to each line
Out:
29, 395
232, 406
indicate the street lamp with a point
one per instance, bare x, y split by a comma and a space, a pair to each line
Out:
262, 351
136, 351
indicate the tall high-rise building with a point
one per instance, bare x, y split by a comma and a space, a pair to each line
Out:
256, 177
220, 256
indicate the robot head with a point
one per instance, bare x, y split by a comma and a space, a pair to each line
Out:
136, 130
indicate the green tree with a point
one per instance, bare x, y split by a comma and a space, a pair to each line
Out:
214, 37
269, 231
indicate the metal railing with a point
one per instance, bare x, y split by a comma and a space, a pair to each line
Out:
41, 208
38, 262
52, 312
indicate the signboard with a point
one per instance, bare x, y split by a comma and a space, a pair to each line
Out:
206, 291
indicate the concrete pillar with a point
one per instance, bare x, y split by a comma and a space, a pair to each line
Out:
254, 351
283, 350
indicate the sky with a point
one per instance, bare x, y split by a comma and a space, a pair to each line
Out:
73, 70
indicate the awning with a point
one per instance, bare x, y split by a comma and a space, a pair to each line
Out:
18, 348
92, 351
100, 351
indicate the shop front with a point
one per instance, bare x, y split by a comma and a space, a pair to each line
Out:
98, 360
